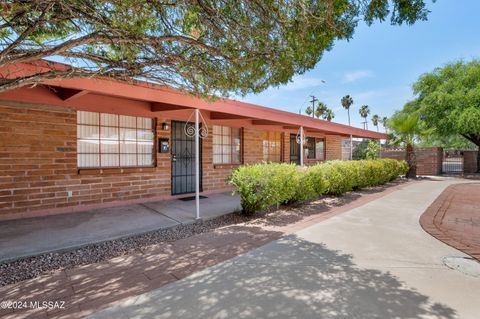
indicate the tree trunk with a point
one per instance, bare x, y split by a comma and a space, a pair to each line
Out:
411, 161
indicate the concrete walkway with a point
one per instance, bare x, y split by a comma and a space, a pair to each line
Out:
374, 261
33, 236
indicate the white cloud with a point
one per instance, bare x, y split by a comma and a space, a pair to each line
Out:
356, 75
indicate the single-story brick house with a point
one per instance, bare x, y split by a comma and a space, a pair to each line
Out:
76, 144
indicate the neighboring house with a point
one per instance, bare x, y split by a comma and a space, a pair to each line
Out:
76, 144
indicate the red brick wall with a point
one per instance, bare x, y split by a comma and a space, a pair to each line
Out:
470, 162
429, 160
333, 146
252, 146
38, 165
286, 147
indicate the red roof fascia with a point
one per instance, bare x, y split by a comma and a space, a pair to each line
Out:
145, 91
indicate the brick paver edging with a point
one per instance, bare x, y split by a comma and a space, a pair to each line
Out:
453, 218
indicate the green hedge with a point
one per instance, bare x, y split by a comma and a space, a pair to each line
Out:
263, 185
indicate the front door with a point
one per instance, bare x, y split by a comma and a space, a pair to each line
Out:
294, 150
183, 160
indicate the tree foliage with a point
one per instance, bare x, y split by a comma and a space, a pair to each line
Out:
448, 103
347, 101
320, 110
364, 111
328, 115
447, 142
205, 47
309, 110
375, 120
373, 150
405, 129
384, 121
448, 100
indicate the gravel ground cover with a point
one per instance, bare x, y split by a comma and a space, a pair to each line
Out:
31, 267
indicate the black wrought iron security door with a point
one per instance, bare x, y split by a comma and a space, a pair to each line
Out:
294, 150
183, 160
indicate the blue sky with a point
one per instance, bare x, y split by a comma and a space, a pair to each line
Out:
378, 66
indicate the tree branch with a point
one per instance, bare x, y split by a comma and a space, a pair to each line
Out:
28, 56
472, 138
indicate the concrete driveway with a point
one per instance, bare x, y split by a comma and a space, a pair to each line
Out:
374, 261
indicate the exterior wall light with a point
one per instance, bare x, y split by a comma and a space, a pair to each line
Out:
165, 126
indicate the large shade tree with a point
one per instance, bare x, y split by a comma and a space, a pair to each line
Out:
205, 47
448, 100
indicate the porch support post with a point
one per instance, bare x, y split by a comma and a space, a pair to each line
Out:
301, 145
197, 164
351, 148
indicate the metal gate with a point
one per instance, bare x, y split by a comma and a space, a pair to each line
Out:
452, 162
183, 160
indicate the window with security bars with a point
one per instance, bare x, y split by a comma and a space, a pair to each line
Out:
226, 145
272, 146
346, 149
111, 140
320, 149
315, 148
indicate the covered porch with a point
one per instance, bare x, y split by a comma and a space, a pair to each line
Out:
22, 238
82, 144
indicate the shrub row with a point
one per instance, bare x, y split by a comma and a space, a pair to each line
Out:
263, 185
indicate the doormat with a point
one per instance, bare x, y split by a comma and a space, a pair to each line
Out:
190, 198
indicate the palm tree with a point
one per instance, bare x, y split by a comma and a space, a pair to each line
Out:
375, 120
320, 110
364, 111
309, 110
347, 101
405, 129
384, 121
328, 115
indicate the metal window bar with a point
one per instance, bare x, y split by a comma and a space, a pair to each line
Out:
118, 152
272, 146
234, 156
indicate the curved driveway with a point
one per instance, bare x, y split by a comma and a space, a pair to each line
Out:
374, 261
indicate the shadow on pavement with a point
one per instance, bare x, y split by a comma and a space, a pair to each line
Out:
288, 278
